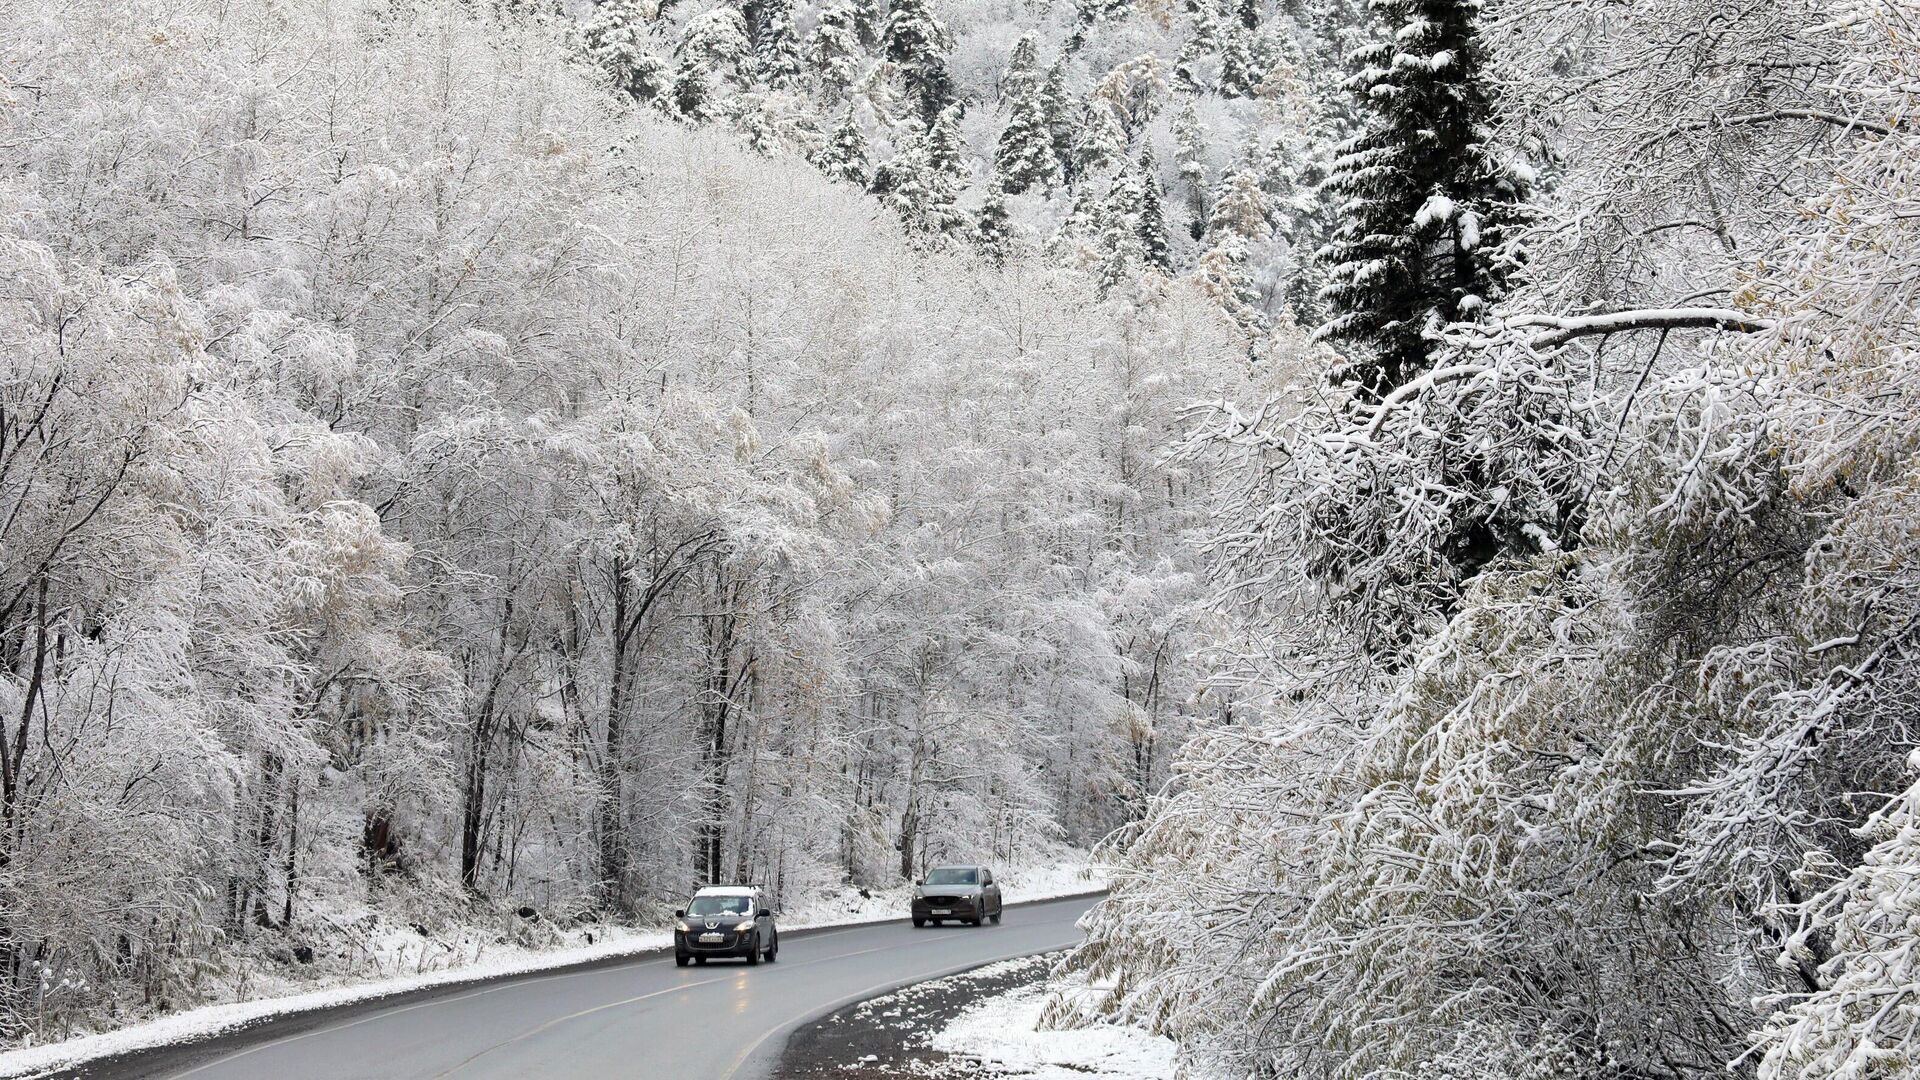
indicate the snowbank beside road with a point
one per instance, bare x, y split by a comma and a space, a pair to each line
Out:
847, 907
1003, 1035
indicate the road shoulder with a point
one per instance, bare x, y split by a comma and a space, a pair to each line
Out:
889, 1037
978, 1024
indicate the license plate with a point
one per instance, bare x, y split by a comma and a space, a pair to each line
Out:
711, 937
943, 911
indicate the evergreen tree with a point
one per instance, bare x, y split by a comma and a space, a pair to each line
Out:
1190, 149
1149, 219
1022, 78
776, 47
1118, 235
1092, 12
613, 38
922, 184
1080, 227
946, 150
1103, 142
1427, 210
1057, 107
692, 98
993, 229
836, 50
918, 42
1203, 38
1024, 156
1240, 70
714, 39
844, 156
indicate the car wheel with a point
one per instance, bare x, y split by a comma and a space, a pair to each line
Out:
976, 920
753, 954
681, 961
918, 921
996, 918
773, 952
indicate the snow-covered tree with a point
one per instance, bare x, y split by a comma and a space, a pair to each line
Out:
454, 502
1149, 217
1429, 204
915, 39
844, 155
777, 60
835, 50
1024, 157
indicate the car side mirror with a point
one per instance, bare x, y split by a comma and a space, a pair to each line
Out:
766, 913
679, 913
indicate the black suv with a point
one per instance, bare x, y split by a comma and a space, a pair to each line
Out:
956, 892
725, 920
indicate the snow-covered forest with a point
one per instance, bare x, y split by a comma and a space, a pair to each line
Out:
430, 486
1431, 486
1590, 571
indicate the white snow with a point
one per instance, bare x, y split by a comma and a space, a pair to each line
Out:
1039, 882
1003, 1034
1437, 208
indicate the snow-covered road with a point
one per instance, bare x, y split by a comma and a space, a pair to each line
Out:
643, 1020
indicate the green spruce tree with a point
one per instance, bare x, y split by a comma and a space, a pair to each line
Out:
923, 182
918, 42
776, 46
1024, 157
1428, 211
1058, 109
1240, 68
1190, 156
844, 155
614, 39
1117, 235
993, 229
1103, 142
1022, 79
835, 50
1078, 231
1149, 218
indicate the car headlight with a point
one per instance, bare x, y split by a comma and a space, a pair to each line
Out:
681, 925
743, 927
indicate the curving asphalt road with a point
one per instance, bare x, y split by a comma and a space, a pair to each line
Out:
643, 1019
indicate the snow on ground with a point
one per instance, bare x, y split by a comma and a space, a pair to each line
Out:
435, 966
1003, 1034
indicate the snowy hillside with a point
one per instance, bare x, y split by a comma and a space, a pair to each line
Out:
1425, 489
434, 494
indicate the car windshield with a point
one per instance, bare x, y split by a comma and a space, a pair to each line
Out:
720, 905
953, 877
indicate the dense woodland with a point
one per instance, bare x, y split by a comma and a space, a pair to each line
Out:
431, 487
1589, 568
1432, 483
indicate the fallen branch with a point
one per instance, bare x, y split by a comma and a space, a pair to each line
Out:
1566, 328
